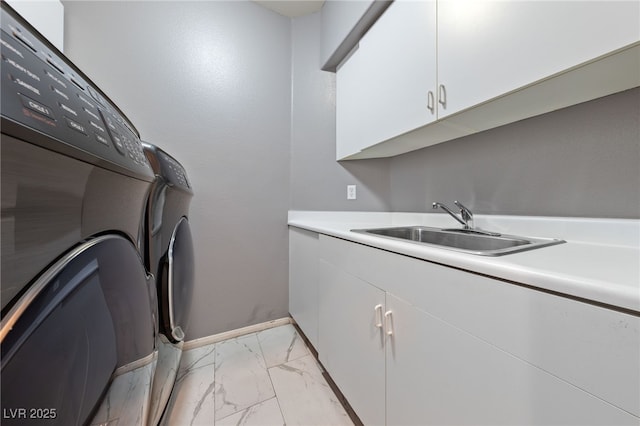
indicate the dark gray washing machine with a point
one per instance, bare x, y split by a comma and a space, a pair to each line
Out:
78, 312
169, 256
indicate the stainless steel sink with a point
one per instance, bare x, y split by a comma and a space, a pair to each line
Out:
464, 240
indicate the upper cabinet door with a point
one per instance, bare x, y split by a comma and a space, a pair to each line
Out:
490, 48
399, 53
383, 89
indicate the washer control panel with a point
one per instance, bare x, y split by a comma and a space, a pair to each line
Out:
173, 171
43, 92
167, 167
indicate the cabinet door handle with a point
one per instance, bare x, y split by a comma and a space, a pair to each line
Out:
378, 310
388, 323
442, 96
431, 103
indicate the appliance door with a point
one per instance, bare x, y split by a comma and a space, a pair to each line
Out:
178, 282
85, 316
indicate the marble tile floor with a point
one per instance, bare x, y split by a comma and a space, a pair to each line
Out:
264, 378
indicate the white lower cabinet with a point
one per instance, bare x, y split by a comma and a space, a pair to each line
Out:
409, 342
351, 345
438, 374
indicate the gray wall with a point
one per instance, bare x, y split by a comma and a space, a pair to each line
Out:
579, 161
209, 82
318, 182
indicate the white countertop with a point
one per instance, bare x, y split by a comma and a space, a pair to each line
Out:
600, 260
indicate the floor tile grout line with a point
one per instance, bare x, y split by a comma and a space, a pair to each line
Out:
246, 336
277, 397
187, 369
287, 361
271, 379
251, 406
297, 336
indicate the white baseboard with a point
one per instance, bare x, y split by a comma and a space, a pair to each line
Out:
136, 364
203, 341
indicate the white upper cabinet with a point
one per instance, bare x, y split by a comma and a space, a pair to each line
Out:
387, 87
431, 71
489, 48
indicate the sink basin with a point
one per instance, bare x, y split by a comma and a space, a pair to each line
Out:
468, 241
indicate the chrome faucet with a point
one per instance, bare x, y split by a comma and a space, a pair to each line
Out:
465, 219
453, 215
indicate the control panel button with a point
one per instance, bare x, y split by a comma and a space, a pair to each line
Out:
68, 109
55, 64
110, 123
55, 78
36, 106
75, 126
95, 95
101, 139
92, 114
86, 101
20, 82
24, 39
11, 47
117, 142
20, 68
60, 93
97, 126
76, 82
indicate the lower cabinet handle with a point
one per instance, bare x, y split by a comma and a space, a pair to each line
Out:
388, 323
378, 310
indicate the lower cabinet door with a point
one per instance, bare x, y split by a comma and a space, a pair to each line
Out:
351, 345
438, 374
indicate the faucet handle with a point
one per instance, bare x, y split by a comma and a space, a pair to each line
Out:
466, 214
462, 207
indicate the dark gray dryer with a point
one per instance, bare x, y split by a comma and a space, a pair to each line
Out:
78, 307
169, 256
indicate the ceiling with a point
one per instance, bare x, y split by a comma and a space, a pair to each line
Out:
292, 8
